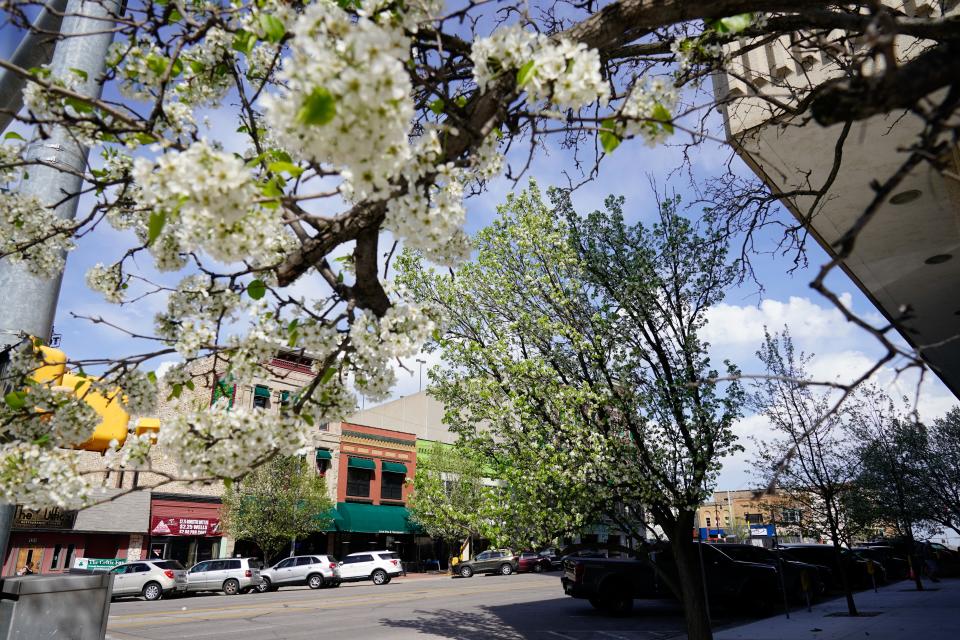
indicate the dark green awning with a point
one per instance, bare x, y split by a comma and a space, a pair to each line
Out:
261, 392
323, 454
393, 467
373, 518
361, 463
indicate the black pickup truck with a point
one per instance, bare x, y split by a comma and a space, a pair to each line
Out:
612, 584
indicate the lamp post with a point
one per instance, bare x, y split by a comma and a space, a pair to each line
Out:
421, 362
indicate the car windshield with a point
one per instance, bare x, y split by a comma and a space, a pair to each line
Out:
168, 564
747, 554
255, 563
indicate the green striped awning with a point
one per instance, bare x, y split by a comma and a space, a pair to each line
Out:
372, 518
324, 454
261, 391
361, 463
393, 467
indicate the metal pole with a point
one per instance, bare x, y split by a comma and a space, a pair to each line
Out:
703, 573
31, 301
35, 50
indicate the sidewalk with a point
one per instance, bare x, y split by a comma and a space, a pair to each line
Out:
903, 614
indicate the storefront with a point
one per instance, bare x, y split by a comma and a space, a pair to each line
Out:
185, 528
366, 527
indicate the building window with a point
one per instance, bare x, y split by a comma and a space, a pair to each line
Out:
223, 389
358, 482
55, 561
261, 397
324, 426
323, 458
753, 518
790, 516
391, 486
71, 550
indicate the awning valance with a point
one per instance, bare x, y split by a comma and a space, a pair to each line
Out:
373, 518
323, 454
393, 467
361, 463
260, 391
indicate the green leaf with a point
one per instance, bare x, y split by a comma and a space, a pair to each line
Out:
733, 24
244, 41
662, 114
272, 188
525, 73
83, 75
285, 167
257, 289
175, 17
152, 377
189, 384
13, 135
157, 64
80, 106
16, 399
318, 109
609, 140
461, 101
327, 375
273, 29
437, 106
177, 67
307, 418
155, 225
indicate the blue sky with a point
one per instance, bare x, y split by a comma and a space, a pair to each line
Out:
736, 328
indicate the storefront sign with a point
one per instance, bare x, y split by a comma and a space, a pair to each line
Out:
173, 526
97, 564
762, 530
46, 518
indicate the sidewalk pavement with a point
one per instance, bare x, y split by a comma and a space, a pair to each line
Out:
902, 612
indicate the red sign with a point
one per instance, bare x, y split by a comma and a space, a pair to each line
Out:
173, 526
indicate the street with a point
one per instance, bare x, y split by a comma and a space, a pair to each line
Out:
518, 606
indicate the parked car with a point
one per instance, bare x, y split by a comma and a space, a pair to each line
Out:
378, 566
555, 558
151, 579
947, 560
530, 561
855, 567
314, 571
612, 584
896, 566
502, 561
230, 575
797, 576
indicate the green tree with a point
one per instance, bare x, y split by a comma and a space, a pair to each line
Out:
448, 494
941, 470
278, 502
577, 367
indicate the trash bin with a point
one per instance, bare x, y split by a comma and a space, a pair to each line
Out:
64, 606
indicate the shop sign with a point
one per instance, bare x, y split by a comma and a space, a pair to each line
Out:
175, 526
97, 564
46, 518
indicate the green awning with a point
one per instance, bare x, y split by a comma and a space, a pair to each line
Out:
260, 391
323, 454
393, 467
358, 517
361, 463
284, 397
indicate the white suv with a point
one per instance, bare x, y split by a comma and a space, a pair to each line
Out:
379, 566
314, 571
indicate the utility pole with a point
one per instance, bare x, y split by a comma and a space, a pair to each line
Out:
31, 301
421, 362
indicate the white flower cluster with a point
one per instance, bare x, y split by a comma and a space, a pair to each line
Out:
206, 78
563, 72
647, 111
140, 67
10, 154
33, 234
36, 476
208, 199
134, 454
139, 392
107, 280
347, 99
194, 312
223, 443
378, 343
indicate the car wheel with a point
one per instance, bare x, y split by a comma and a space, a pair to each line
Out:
264, 585
379, 577
538, 568
466, 572
315, 581
231, 587
506, 569
152, 591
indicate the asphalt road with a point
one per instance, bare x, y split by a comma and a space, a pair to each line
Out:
498, 607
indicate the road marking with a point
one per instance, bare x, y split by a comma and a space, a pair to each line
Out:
119, 621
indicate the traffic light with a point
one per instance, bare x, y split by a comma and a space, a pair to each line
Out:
114, 418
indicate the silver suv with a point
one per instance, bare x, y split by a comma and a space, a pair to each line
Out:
149, 578
230, 575
313, 571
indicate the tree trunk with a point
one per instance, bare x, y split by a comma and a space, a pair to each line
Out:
912, 558
844, 578
685, 555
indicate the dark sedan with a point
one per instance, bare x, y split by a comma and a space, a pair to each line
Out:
798, 577
855, 567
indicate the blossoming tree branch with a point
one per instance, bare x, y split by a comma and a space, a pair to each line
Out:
251, 150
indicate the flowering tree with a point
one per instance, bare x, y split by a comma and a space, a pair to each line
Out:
576, 364
280, 501
252, 151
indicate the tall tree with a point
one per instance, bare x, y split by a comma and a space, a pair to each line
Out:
808, 457
448, 494
941, 457
574, 343
279, 502
891, 482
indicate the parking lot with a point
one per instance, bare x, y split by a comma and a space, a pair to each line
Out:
517, 606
